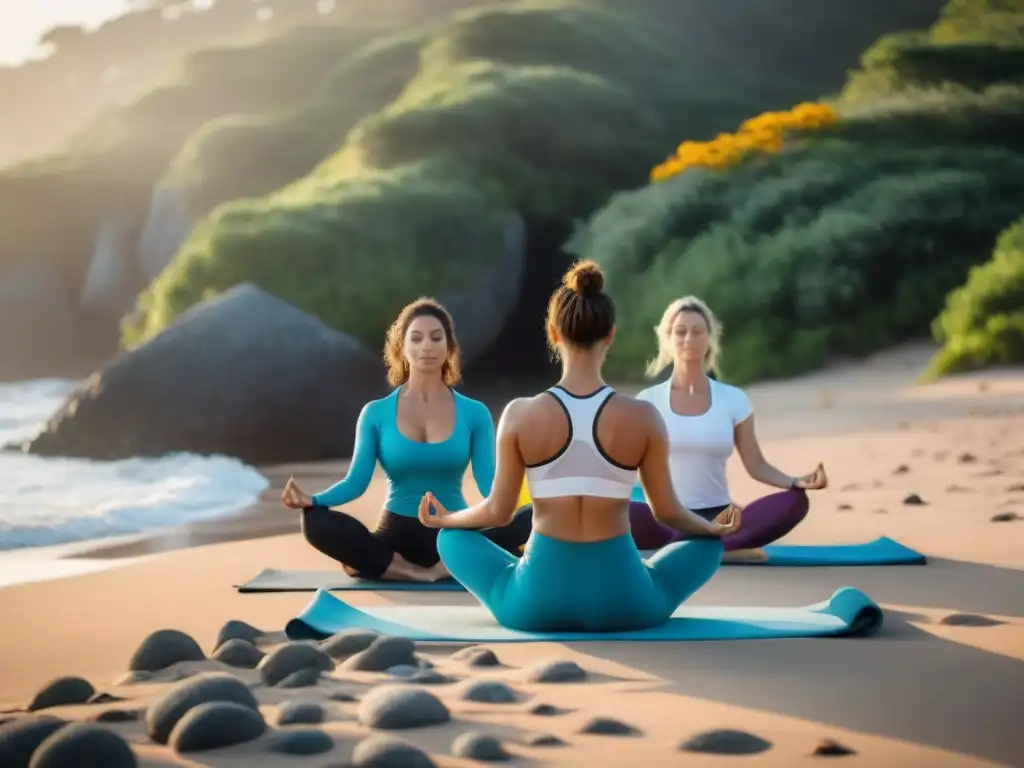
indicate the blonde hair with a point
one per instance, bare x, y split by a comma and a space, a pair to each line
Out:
663, 332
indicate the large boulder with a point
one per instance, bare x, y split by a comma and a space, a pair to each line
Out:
244, 375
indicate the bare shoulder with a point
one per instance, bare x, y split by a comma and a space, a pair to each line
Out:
636, 407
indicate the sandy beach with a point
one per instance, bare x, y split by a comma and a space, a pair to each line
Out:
927, 690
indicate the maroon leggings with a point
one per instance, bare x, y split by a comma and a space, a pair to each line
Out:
766, 520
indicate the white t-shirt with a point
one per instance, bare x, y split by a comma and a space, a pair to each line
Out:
701, 445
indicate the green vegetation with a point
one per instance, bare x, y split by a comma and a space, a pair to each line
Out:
983, 322
849, 240
547, 108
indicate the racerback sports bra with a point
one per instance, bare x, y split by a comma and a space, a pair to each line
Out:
581, 468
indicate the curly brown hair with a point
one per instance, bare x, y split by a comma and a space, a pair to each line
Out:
394, 345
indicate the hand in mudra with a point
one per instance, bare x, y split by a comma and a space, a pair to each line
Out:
729, 519
427, 503
294, 497
814, 481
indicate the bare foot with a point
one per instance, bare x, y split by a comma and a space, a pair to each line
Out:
438, 572
745, 556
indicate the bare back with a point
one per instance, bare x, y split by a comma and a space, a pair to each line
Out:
543, 430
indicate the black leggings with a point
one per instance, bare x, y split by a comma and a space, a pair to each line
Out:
345, 539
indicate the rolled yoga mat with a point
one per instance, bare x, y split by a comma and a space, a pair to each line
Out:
883, 551
849, 612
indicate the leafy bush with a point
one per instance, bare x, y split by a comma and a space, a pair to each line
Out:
982, 324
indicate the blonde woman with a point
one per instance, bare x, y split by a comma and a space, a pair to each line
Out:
706, 420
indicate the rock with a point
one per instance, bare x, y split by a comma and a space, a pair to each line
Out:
238, 653
969, 620
164, 713
118, 716
726, 742
967, 458
844, 507
477, 656
300, 713
237, 630
545, 710
347, 643
481, 310
557, 672
478, 746
301, 741
606, 726
380, 751
1005, 517
133, 677
80, 745
343, 696
902, 469
390, 707
216, 724
163, 648
20, 738
429, 677
61, 691
488, 692
913, 500
33, 297
1015, 488
543, 740
301, 678
291, 657
831, 748
382, 654
244, 375
403, 670
103, 698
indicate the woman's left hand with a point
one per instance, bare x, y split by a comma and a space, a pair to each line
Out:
814, 481
435, 520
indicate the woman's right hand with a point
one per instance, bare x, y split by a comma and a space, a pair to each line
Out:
294, 497
728, 520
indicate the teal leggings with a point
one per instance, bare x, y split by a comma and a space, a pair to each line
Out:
563, 586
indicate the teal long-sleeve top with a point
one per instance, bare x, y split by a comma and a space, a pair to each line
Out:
413, 468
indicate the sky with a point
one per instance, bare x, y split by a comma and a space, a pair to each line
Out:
22, 22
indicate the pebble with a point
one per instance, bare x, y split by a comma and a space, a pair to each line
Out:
726, 742
19, 738
300, 713
341, 696
381, 751
237, 630
606, 726
163, 648
382, 654
238, 653
477, 656
543, 740
967, 458
391, 707
164, 713
545, 710
556, 672
301, 741
831, 748
902, 469
118, 716
80, 745
844, 507
291, 657
968, 620
913, 500
348, 643
301, 678
1015, 488
478, 746
61, 691
487, 692
216, 724
1005, 517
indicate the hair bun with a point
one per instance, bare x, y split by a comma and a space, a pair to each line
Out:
585, 279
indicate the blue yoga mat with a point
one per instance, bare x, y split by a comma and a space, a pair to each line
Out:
883, 551
849, 612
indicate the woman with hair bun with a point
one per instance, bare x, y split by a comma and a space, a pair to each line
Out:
580, 445
425, 435
705, 420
